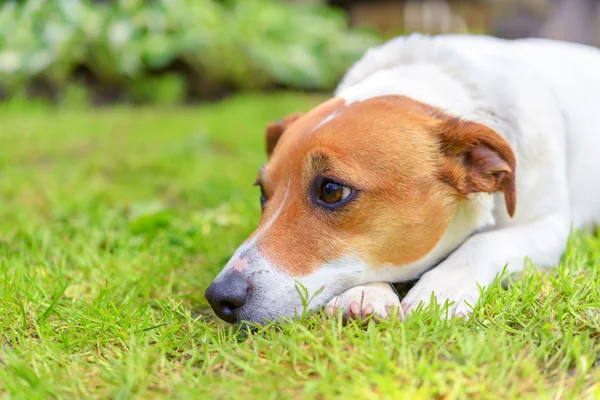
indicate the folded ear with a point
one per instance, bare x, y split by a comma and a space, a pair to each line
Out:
276, 129
477, 159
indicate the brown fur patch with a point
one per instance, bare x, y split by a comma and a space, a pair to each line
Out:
410, 165
477, 159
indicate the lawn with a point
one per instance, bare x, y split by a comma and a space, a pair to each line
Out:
113, 221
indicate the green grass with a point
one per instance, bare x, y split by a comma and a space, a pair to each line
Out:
113, 222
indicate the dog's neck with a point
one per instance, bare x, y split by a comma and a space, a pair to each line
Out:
427, 84
427, 70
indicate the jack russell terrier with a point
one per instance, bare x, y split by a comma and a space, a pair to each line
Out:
413, 170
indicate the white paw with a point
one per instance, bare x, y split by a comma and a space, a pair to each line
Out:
461, 293
375, 299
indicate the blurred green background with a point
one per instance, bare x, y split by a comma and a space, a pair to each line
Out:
173, 51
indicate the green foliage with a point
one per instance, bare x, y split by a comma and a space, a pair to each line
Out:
113, 221
165, 89
243, 44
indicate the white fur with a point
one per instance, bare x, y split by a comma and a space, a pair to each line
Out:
325, 120
259, 234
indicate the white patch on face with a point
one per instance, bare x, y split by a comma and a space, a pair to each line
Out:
259, 233
325, 120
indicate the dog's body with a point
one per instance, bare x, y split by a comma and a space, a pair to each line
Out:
424, 149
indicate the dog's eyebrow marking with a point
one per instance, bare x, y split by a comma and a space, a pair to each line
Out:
317, 164
320, 162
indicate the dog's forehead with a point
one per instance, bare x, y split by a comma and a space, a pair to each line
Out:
306, 126
358, 133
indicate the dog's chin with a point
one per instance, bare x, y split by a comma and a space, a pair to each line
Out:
255, 316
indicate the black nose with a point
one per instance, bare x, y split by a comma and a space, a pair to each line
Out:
228, 294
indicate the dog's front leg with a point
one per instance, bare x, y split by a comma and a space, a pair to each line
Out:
482, 257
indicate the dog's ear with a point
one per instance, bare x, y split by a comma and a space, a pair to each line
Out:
276, 129
477, 159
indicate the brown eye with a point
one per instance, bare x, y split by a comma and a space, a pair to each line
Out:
332, 192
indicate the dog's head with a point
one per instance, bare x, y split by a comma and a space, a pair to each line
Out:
356, 193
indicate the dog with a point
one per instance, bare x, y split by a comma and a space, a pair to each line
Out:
445, 158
